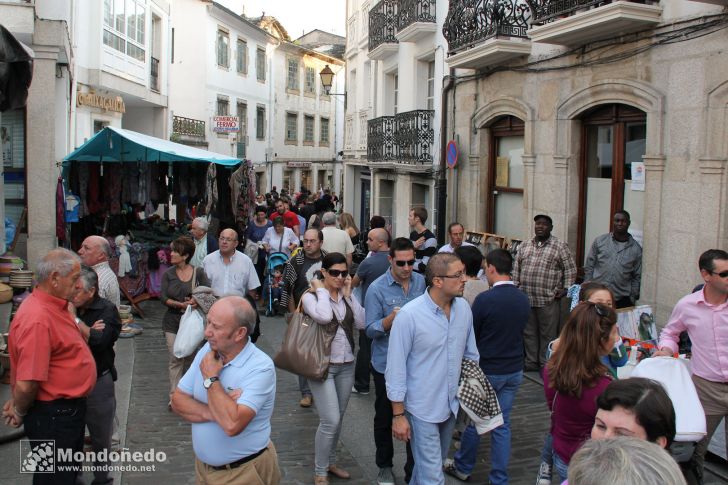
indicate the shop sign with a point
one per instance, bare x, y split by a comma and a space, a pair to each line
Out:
298, 165
94, 100
225, 124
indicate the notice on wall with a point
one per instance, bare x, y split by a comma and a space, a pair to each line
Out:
501, 171
6, 145
225, 124
638, 176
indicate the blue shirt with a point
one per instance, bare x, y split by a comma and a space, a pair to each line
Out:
251, 371
425, 354
373, 266
382, 296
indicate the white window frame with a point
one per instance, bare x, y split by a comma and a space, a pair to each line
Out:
241, 56
126, 32
222, 56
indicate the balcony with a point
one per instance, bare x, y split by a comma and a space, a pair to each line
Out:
486, 32
383, 29
577, 22
154, 74
188, 131
404, 138
416, 20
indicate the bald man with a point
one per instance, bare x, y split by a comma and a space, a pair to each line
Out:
230, 271
96, 252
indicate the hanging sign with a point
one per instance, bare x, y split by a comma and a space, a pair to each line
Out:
452, 154
225, 124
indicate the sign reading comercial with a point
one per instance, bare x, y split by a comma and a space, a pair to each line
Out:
298, 164
94, 100
225, 124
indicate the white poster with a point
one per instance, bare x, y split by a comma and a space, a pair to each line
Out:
638, 176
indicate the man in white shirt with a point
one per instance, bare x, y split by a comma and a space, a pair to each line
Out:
456, 231
336, 240
230, 271
95, 251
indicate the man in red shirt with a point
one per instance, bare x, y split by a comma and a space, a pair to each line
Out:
290, 219
52, 368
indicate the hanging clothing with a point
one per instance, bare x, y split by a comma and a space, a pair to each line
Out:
60, 211
112, 187
211, 188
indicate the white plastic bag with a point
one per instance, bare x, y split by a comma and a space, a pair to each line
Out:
190, 334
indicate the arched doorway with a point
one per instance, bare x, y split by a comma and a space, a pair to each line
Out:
505, 178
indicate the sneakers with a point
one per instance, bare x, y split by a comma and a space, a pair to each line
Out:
544, 474
357, 391
306, 401
385, 477
450, 468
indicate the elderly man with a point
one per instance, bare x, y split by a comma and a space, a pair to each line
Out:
615, 259
335, 239
456, 231
52, 370
428, 340
99, 322
96, 252
204, 243
230, 271
228, 395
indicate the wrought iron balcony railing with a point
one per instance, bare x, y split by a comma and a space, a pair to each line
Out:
154, 74
411, 11
188, 126
380, 139
383, 24
545, 11
470, 22
414, 136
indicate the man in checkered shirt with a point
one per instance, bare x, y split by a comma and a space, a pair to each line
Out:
544, 268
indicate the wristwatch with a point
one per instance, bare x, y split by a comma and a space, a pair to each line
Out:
207, 383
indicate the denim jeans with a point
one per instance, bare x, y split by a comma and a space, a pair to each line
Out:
303, 386
506, 386
560, 467
547, 452
430, 442
331, 397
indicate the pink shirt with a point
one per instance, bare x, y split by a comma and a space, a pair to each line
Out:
322, 308
707, 326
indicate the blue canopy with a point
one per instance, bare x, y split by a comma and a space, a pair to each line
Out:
118, 145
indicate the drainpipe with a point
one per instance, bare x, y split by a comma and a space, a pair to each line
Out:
441, 181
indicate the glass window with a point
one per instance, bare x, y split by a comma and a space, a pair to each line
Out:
223, 107
223, 40
310, 81
396, 92
291, 126
292, 74
260, 122
308, 127
324, 131
125, 26
243, 117
431, 85
242, 56
260, 64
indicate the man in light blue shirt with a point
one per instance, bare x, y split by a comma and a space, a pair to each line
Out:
385, 296
427, 343
228, 395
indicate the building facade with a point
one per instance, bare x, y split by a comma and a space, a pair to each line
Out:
581, 110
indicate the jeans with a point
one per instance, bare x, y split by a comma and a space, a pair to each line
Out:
331, 397
430, 442
100, 411
506, 386
560, 467
303, 386
383, 428
547, 452
363, 358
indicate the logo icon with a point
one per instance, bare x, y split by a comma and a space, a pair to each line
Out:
37, 456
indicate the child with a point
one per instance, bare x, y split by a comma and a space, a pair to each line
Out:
276, 285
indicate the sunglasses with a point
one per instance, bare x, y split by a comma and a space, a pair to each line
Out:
336, 273
722, 274
410, 262
601, 310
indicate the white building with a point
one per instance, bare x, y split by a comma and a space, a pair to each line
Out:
395, 65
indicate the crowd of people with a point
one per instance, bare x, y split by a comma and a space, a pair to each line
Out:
423, 312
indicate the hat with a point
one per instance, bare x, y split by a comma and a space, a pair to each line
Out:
543, 216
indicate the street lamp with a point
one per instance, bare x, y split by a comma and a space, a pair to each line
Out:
327, 79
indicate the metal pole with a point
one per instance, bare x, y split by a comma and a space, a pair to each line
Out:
441, 181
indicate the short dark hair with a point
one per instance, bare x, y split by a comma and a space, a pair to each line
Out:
471, 257
420, 213
453, 224
501, 260
278, 221
331, 259
624, 213
184, 246
401, 244
647, 400
377, 222
260, 208
438, 264
588, 288
319, 231
707, 259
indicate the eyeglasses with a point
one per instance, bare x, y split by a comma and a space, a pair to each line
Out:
459, 275
722, 274
410, 262
601, 310
310, 241
226, 239
336, 273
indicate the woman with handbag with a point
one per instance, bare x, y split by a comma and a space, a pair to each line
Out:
330, 304
575, 376
177, 285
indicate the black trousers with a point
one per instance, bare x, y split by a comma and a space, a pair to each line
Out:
383, 429
363, 359
63, 421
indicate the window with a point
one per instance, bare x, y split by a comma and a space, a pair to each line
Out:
396, 92
505, 213
260, 64
324, 131
291, 127
260, 122
431, 85
242, 57
310, 80
223, 41
124, 27
242, 114
292, 74
223, 106
308, 127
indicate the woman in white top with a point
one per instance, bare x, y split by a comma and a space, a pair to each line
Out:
331, 304
280, 239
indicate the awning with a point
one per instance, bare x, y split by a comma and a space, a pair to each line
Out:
118, 145
16, 71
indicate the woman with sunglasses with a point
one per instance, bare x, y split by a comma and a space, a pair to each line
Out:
575, 376
330, 303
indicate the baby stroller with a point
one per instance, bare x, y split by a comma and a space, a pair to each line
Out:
276, 261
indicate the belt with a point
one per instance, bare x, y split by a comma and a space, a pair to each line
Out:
104, 373
59, 403
240, 462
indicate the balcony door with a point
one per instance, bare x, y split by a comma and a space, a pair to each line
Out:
613, 138
505, 178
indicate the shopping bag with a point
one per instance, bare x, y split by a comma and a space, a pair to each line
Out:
190, 334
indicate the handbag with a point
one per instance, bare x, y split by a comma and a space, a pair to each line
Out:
251, 250
306, 347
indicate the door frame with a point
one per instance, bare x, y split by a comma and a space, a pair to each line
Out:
507, 125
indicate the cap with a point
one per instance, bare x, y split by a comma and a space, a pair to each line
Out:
543, 216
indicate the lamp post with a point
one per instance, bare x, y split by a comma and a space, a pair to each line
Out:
327, 79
